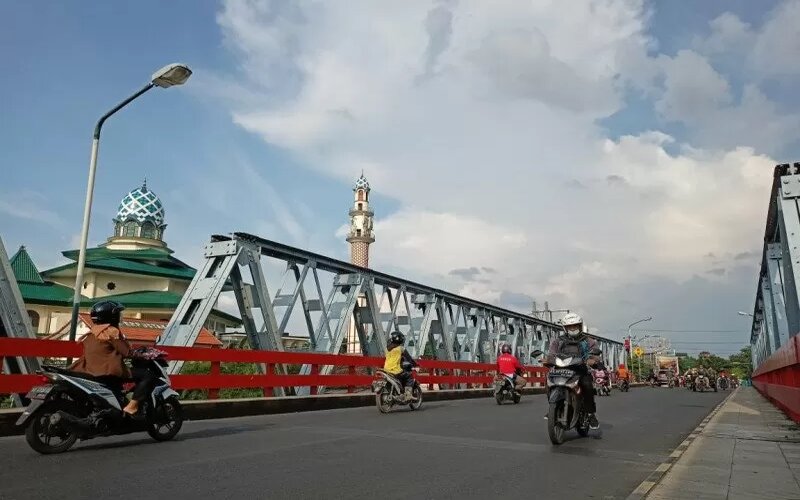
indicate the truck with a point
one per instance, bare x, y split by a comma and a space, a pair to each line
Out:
668, 370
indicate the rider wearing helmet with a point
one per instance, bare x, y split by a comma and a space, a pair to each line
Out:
104, 347
399, 362
104, 352
574, 341
509, 365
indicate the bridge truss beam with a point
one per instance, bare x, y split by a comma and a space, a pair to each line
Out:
435, 322
776, 314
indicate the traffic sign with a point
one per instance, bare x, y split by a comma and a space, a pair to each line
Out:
638, 351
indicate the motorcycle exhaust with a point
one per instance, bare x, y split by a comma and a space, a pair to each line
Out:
70, 421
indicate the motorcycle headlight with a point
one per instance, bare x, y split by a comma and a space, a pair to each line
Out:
563, 362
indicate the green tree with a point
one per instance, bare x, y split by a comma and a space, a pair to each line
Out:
742, 363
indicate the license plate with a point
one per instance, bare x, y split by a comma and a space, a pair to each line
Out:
561, 373
39, 392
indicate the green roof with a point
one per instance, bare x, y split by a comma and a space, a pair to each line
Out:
131, 266
49, 294
151, 254
23, 267
157, 300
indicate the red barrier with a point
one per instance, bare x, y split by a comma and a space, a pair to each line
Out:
778, 378
456, 373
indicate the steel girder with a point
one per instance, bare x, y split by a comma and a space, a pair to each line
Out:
436, 323
776, 314
14, 320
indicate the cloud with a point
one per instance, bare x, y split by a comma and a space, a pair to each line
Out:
496, 157
466, 274
717, 271
29, 205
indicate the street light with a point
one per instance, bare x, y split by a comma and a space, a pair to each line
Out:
630, 344
169, 75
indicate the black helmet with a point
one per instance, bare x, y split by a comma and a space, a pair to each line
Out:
505, 349
107, 312
397, 338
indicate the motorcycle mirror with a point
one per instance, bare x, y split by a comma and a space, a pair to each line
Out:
536, 353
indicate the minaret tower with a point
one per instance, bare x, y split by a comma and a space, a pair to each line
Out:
361, 236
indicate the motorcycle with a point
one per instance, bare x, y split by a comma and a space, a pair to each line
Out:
504, 390
389, 393
702, 383
602, 383
722, 383
69, 406
623, 385
565, 409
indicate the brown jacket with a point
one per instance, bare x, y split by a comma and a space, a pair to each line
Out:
104, 351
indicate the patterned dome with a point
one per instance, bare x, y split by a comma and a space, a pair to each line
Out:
361, 183
141, 205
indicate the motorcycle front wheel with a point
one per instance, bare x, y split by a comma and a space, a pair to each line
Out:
167, 420
517, 398
39, 435
555, 429
498, 396
383, 401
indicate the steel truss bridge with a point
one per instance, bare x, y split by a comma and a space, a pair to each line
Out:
776, 313
449, 326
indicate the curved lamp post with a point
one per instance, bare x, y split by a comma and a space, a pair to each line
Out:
168, 76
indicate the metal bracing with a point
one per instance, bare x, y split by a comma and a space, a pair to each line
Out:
325, 299
776, 314
14, 320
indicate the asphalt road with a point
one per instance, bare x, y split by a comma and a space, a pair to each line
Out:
454, 449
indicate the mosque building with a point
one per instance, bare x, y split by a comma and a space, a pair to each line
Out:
134, 267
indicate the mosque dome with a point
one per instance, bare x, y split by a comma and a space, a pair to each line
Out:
361, 183
140, 215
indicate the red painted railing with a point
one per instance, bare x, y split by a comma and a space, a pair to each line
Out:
450, 373
778, 378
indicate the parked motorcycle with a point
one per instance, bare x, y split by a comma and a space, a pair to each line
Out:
602, 382
504, 390
565, 410
389, 393
69, 406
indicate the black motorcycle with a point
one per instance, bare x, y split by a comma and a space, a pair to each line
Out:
389, 393
504, 390
71, 406
565, 410
624, 385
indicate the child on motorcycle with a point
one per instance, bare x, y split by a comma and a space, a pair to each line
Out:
399, 362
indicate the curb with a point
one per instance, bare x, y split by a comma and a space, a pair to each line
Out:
658, 474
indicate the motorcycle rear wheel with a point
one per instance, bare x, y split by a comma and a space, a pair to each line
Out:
554, 427
167, 429
36, 432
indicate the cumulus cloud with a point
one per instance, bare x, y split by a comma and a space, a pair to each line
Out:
495, 154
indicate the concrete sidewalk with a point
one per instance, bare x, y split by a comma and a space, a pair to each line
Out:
748, 450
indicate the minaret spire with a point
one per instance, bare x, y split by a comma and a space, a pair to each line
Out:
361, 235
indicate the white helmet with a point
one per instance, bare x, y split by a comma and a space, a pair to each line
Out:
573, 324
